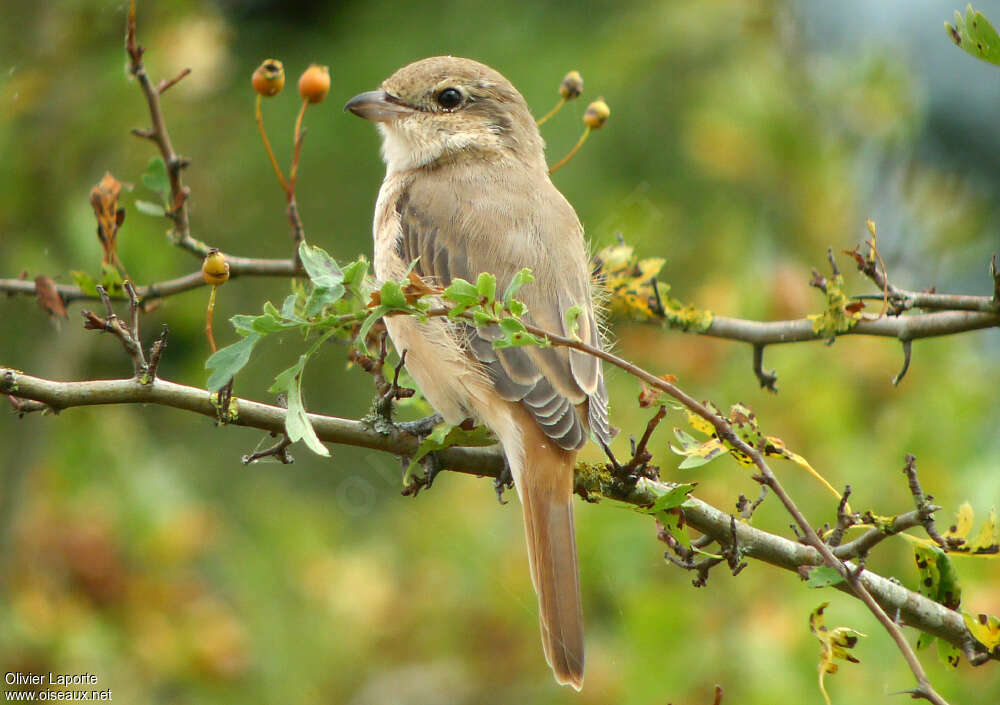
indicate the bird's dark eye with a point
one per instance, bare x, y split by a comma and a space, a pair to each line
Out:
449, 98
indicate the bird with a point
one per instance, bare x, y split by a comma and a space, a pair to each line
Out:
467, 191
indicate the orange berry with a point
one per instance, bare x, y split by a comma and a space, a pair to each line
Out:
269, 78
314, 83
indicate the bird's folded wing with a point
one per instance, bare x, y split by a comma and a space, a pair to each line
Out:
448, 242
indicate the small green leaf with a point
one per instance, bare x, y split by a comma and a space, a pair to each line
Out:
155, 178
269, 323
392, 296
486, 286
321, 268
85, 282
288, 306
112, 280
444, 436
243, 323
150, 208
975, 35
297, 424
320, 299
461, 292
354, 273
674, 497
226, 362
520, 279
824, 576
949, 654
673, 522
573, 322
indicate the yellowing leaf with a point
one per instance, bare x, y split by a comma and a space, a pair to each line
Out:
776, 446
835, 644
985, 629
963, 522
699, 424
988, 538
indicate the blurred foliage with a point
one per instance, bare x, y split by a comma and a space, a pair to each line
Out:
135, 546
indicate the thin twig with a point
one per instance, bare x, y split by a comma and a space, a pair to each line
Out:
267, 146
159, 134
167, 84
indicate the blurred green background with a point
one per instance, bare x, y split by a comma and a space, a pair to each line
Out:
746, 137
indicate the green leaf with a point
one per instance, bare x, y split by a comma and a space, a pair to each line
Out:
520, 279
486, 286
288, 306
268, 323
150, 208
226, 362
938, 579
319, 299
354, 273
975, 35
573, 321
392, 296
297, 424
462, 293
674, 497
243, 323
949, 654
824, 576
321, 268
444, 436
155, 178
85, 282
673, 522
112, 280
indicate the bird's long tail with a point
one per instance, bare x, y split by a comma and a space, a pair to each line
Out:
545, 486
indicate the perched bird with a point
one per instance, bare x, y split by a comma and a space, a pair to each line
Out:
467, 191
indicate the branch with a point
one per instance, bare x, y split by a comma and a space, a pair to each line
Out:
238, 266
158, 134
925, 325
912, 608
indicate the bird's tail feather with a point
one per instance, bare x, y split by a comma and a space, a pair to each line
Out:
545, 487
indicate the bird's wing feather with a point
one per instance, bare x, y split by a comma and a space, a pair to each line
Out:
455, 230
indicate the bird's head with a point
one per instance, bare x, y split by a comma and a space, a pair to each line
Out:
444, 109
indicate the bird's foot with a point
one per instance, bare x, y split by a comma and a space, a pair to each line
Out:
503, 481
413, 481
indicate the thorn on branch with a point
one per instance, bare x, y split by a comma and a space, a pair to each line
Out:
615, 465
129, 336
767, 379
845, 519
155, 352
746, 508
166, 84
638, 465
144, 133
833, 262
818, 281
924, 506
27, 406
907, 351
279, 450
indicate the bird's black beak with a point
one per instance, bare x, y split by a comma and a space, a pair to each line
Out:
377, 106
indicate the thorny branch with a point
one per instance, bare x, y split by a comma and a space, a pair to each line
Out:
913, 609
178, 211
